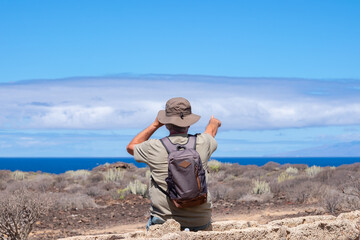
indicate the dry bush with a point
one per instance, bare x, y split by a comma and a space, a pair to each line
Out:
325, 175
253, 172
233, 169
78, 176
299, 189
13, 185
95, 191
108, 186
237, 192
352, 191
271, 166
218, 192
60, 182
215, 177
42, 183
300, 167
19, 210
256, 197
332, 200
355, 167
74, 188
66, 201
2, 185
5, 175
95, 177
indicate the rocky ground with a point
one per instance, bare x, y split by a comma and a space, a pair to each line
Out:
345, 226
130, 214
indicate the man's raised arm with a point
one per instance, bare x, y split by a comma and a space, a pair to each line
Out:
143, 136
213, 126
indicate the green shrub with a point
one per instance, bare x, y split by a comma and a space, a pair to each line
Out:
121, 193
114, 175
78, 173
261, 187
312, 171
284, 176
137, 187
214, 165
292, 171
19, 175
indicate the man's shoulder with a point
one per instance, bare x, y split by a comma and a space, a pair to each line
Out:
149, 143
205, 137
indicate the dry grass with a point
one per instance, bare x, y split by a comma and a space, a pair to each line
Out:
334, 189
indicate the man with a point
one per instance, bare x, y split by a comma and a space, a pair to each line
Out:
177, 118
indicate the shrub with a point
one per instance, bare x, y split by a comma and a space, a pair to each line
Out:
271, 166
214, 165
95, 191
95, 178
284, 176
19, 211
66, 201
312, 171
60, 182
74, 188
292, 171
218, 192
331, 200
260, 187
78, 174
19, 175
120, 193
5, 175
137, 187
42, 182
114, 175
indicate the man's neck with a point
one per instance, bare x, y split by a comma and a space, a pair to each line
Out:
175, 133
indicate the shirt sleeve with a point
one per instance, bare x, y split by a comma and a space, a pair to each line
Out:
141, 151
212, 144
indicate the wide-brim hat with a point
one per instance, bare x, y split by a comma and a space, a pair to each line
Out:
178, 112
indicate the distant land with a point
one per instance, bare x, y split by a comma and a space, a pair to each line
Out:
344, 149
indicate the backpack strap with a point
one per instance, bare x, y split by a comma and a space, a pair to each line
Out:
157, 186
191, 142
170, 147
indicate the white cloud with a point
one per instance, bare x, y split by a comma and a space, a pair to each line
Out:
118, 103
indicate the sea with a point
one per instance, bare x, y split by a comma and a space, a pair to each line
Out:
61, 165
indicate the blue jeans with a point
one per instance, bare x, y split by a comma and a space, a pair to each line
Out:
155, 220
152, 221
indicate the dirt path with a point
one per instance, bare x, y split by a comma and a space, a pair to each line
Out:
261, 216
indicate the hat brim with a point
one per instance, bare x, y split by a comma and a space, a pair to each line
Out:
188, 120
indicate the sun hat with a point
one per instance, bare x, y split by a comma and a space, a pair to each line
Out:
178, 112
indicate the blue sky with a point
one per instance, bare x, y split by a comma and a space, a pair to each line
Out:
281, 75
55, 39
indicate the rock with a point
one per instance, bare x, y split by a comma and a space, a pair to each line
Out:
158, 230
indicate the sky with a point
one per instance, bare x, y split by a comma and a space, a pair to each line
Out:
81, 78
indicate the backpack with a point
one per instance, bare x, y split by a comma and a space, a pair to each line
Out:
186, 182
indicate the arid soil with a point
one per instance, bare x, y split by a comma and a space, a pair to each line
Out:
131, 214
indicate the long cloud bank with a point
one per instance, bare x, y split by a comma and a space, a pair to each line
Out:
133, 101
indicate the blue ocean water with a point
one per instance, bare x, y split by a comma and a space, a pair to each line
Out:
60, 165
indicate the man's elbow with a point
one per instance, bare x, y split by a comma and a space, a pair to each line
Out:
130, 149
